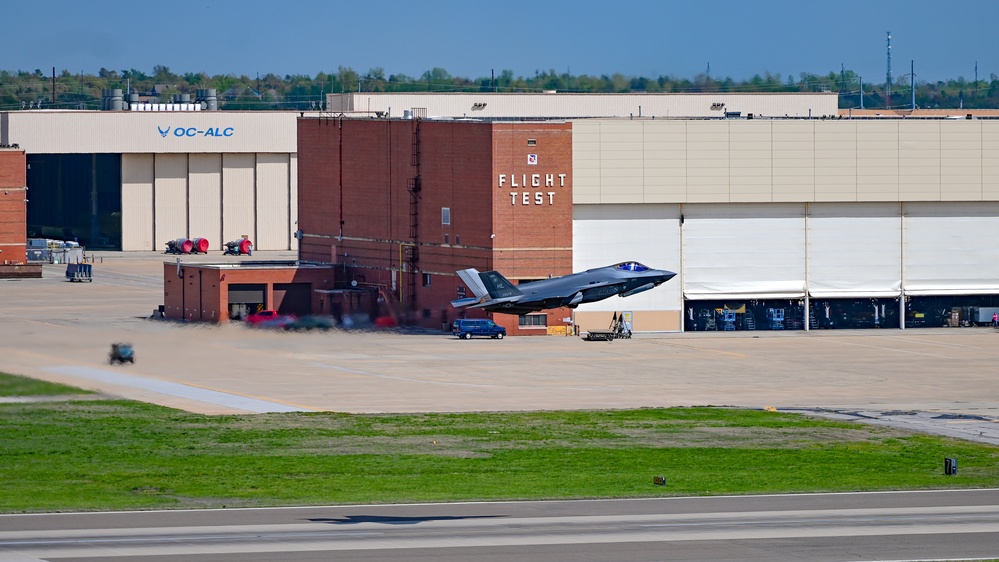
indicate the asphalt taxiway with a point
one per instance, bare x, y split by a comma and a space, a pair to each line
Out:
939, 525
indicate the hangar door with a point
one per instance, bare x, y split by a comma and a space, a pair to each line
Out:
743, 251
950, 248
607, 234
293, 298
246, 298
854, 250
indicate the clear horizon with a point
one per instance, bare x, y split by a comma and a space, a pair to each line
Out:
472, 39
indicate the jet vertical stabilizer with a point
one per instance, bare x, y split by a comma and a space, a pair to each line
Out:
471, 278
499, 287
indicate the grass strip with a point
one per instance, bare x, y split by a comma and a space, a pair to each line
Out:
117, 454
14, 385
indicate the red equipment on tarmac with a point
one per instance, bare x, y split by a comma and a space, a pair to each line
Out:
241, 247
179, 246
199, 246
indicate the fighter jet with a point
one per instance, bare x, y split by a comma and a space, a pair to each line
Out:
495, 293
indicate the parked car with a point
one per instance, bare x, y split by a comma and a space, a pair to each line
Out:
281, 321
269, 319
261, 316
466, 328
312, 322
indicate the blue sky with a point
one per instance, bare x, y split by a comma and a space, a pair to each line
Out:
470, 38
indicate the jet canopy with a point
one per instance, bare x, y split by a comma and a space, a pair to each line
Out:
631, 266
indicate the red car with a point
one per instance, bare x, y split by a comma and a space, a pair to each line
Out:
268, 318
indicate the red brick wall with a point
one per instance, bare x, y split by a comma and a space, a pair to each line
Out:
203, 293
13, 209
459, 167
532, 207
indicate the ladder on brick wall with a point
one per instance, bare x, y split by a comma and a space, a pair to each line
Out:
412, 254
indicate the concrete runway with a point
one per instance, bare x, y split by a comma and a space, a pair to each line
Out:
939, 379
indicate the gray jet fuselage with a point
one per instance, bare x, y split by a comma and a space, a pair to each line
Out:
496, 294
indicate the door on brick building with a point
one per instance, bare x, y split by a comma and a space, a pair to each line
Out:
245, 299
293, 298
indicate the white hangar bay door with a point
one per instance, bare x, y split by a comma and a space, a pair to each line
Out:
854, 250
950, 248
137, 202
273, 213
608, 234
169, 198
743, 251
238, 197
205, 196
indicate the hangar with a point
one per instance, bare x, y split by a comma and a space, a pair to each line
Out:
134, 180
771, 223
804, 218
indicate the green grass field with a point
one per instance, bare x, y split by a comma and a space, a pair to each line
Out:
12, 385
116, 454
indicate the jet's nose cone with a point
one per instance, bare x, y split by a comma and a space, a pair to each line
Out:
663, 276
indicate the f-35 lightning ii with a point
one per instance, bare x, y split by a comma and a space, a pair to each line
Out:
495, 293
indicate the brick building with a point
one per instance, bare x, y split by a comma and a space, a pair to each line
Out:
402, 204
216, 292
13, 216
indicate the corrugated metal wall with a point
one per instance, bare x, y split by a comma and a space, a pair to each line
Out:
854, 250
564, 105
760, 161
948, 248
743, 251
219, 197
137, 201
170, 198
124, 132
184, 174
239, 197
273, 201
293, 199
205, 196
603, 235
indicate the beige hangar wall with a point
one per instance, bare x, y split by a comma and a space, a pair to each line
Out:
786, 208
220, 197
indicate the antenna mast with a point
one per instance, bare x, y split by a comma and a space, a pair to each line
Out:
888, 85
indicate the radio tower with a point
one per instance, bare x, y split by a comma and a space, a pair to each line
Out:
888, 86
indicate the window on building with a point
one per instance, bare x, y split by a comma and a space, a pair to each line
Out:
533, 320
426, 279
532, 142
445, 215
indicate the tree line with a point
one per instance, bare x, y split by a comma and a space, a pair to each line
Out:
28, 90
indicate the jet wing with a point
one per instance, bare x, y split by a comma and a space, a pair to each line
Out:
483, 303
